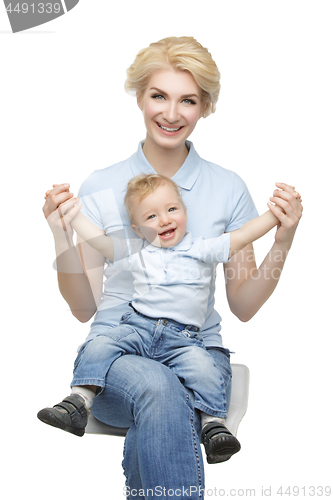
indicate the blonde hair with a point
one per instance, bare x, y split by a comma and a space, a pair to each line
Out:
142, 185
182, 54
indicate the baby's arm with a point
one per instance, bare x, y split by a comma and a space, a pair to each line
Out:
251, 231
94, 236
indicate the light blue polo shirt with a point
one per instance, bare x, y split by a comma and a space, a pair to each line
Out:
172, 282
217, 201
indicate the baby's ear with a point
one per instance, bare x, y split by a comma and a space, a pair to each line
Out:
136, 229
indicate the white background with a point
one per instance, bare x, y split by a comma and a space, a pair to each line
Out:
64, 113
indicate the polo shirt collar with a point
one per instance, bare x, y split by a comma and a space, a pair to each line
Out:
186, 175
183, 245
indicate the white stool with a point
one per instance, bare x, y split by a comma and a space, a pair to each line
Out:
237, 409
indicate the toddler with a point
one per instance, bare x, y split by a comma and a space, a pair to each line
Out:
172, 274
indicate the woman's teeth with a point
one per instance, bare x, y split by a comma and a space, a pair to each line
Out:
169, 129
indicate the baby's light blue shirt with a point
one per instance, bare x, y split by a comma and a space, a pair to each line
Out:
217, 201
173, 282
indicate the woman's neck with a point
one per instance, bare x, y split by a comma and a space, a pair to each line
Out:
165, 161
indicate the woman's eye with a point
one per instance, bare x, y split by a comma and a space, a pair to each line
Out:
189, 101
158, 97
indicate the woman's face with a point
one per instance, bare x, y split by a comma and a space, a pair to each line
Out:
171, 106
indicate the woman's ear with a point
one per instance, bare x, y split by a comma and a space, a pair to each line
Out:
139, 100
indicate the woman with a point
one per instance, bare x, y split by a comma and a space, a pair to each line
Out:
176, 83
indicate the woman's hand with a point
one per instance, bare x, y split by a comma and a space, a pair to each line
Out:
286, 205
59, 209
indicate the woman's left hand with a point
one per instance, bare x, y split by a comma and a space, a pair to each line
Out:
286, 205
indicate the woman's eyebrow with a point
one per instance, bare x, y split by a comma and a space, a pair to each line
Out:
185, 96
159, 90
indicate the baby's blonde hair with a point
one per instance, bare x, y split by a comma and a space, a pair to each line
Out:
181, 54
142, 185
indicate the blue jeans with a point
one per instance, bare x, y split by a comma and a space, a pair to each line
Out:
177, 346
162, 454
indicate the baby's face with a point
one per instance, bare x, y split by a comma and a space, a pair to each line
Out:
160, 217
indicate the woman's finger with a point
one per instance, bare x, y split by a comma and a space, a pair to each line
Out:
57, 188
285, 187
280, 202
290, 216
66, 206
60, 219
71, 213
286, 195
278, 212
287, 198
290, 206
53, 185
55, 197
66, 217
288, 189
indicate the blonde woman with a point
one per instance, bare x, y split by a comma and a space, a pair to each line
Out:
176, 82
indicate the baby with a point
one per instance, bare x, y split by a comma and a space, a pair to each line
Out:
172, 274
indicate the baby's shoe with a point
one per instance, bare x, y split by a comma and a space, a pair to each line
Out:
219, 443
70, 415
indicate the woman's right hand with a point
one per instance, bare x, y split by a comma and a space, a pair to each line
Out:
59, 209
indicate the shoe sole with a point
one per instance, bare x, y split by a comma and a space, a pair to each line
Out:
49, 418
221, 449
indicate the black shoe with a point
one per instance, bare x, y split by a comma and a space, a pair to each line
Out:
219, 443
70, 415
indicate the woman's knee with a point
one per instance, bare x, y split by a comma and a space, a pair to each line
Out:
160, 385
136, 376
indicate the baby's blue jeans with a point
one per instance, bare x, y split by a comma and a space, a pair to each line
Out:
162, 453
177, 346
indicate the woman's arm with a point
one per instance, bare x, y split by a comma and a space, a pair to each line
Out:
80, 268
251, 231
247, 286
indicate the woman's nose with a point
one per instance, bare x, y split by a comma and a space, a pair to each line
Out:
171, 113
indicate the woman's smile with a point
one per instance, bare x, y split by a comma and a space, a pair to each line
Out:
168, 129
171, 107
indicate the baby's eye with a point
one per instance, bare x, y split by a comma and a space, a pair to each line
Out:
151, 216
172, 209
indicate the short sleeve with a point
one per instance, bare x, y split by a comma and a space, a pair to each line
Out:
89, 194
213, 250
125, 248
243, 206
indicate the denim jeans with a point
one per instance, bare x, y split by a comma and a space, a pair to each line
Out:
177, 346
162, 453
